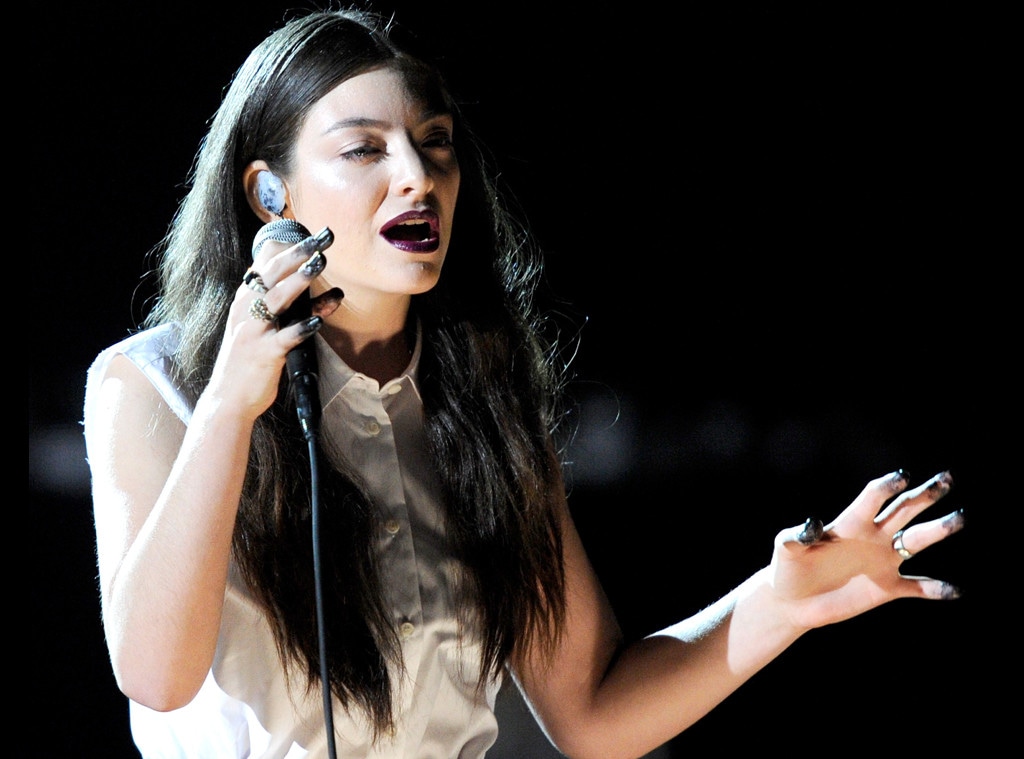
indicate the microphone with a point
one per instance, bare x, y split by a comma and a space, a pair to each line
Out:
301, 363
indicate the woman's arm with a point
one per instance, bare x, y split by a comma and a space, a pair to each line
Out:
165, 497
164, 502
599, 698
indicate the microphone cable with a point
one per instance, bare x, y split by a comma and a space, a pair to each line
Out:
325, 677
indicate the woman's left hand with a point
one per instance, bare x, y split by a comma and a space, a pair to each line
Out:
829, 573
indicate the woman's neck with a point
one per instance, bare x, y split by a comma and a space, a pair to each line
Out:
377, 345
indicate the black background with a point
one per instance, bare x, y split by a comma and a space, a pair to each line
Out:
773, 218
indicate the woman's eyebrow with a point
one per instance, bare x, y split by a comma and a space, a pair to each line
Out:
355, 121
367, 122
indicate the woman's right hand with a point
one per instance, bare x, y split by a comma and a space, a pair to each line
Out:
252, 356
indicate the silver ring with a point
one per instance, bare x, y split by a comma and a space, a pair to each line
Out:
258, 310
255, 282
898, 547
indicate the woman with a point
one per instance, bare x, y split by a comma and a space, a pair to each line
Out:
449, 556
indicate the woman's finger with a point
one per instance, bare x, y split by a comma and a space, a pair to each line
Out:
908, 505
326, 303
863, 509
926, 587
912, 540
874, 496
281, 250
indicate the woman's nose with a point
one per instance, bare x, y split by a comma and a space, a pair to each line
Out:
412, 172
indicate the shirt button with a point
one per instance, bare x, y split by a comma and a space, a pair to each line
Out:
392, 526
373, 428
407, 629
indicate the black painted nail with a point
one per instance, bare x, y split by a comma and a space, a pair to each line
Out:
314, 265
899, 479
942, 483
317, 242
311, 325
955, 521
331, 297
811, 533
950, 592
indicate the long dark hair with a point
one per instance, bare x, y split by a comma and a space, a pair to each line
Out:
490, 375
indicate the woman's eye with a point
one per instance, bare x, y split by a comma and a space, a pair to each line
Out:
438, 140
362, 151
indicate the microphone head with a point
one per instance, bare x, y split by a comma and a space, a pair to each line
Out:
279, 230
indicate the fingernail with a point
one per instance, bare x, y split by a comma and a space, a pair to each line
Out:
950, 592
333, 297
941, 483
311, 325
811, 533
314, 265
954, 522
317, 242
899, 479
324, 238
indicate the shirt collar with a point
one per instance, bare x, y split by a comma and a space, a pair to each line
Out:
335, 375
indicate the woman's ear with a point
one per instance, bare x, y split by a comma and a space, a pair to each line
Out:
265, 191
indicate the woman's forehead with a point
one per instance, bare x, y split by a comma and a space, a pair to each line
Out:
383, 92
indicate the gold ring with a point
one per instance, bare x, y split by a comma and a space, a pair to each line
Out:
258, 310
897, 545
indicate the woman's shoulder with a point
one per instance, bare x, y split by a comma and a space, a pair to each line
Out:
144, 346
152, 352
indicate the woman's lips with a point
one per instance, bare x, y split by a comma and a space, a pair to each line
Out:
413, 232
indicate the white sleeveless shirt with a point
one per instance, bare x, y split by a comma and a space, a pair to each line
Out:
248, 708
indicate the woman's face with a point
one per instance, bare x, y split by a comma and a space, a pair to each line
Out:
378, 168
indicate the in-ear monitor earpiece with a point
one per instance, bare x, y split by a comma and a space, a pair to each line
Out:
270, 190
